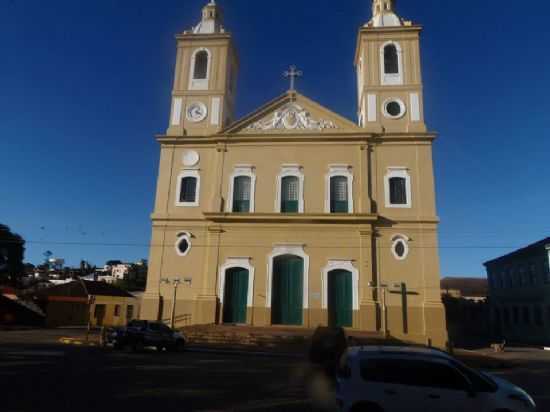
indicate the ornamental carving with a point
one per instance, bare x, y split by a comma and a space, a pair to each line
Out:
292, 117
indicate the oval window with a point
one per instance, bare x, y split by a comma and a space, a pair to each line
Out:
400, 248
394, 108
183, 244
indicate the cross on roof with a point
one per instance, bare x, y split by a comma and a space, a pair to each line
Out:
293, 73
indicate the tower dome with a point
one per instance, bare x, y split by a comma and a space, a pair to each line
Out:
383, 14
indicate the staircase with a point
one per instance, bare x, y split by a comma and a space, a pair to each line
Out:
262, 339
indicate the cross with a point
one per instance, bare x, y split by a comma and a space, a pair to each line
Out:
293, 73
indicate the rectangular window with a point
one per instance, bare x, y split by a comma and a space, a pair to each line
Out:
398, 191
526, 315
241, 194
538, 316
117, 310
188, 191
339, 194
290, 192
129, 313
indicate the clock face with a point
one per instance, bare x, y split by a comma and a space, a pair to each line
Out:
196, 112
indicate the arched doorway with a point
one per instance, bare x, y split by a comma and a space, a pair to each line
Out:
340, 298
235, 296
288, 290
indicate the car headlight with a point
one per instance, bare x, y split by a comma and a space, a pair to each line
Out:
524, 398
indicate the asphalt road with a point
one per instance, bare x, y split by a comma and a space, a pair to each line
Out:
39, 374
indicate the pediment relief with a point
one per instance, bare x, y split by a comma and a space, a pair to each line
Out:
292, 113
291, 116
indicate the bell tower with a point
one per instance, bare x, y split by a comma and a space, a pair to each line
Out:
389, 76
203, 96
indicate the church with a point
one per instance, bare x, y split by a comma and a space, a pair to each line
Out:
295, 216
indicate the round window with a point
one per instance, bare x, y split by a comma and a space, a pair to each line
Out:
183, 244
394, 108
400, 249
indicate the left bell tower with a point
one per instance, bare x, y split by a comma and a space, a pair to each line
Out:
203, 96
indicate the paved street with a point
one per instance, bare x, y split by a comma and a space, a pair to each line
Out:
49, 376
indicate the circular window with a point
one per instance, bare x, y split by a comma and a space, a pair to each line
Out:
400, 248
183, 244
394, 108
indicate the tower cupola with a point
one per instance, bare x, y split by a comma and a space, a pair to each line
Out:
212, 19
383, 14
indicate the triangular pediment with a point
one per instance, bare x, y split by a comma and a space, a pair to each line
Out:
292, 113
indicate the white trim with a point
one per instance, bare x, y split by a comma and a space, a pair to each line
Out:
398, 172
237, 262
290, 170
401, 104
334, 171
281, 250
215, 111
371, 107
181, 176
199, 84
337, 264
399, 238
415, 107
242, 170
391, 79
183, 235
177, 107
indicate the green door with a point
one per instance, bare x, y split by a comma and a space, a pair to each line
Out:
288, 290
340, 298
235, 296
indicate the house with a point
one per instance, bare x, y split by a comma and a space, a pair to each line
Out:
519, 294
294, 215
17, 312
81, 301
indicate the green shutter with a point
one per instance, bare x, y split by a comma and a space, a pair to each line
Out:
340, 298
287, 290
339, 194
235, 296
290, 188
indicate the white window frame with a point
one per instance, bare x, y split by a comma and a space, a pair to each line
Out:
401, 104
237, 262
340, 264
400, 238
290, 170
403, 172
199, 84
335, 171
281, 250
189, 173
391, 79
238, 171
183, 235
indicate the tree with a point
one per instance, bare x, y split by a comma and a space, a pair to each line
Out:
12, 251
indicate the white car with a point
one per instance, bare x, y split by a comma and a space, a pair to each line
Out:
396, 379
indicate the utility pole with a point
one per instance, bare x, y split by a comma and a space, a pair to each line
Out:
176, 282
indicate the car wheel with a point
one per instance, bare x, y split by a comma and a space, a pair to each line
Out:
179, 346
366, 407
138, 346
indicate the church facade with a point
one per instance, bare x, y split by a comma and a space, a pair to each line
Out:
294, 215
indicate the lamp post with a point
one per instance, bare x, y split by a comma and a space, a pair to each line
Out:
176, 282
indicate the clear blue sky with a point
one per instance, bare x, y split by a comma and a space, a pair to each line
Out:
86, 84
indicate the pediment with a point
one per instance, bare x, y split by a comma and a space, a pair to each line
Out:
292, 113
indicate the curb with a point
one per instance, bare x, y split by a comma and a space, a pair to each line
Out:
76, 342
198, 349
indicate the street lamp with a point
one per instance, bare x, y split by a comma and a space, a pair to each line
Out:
176, 282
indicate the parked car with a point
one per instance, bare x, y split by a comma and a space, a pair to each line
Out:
396, 379
141, 333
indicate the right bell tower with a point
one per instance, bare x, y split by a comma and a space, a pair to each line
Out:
389, 75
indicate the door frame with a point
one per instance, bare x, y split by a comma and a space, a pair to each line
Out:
232, 263
281, 250
346, 265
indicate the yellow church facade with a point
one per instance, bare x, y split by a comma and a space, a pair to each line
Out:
293, 215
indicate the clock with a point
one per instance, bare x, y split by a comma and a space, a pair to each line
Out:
196, 112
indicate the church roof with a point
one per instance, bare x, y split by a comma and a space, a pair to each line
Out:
292, 113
